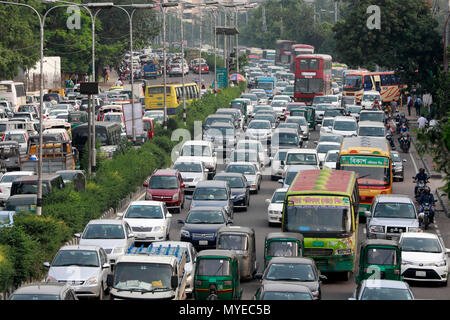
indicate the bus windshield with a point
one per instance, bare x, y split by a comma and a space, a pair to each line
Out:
265, 85
370, 176
353, 82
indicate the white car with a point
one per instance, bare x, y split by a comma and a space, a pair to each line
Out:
303, 125
292, 171
424, 257
331, 159
277, 165
279, 106
6, 182
149, 220
371, 129
275, 206
20, 136
327, 125
345, 126
303, 157
369, 97
256, 146
115, 236
199, 150
250, 171
323, 147
192, 172
282, 97
259, 130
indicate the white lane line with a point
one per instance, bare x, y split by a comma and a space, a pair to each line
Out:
414, 162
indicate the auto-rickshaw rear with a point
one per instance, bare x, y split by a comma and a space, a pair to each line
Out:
282, 244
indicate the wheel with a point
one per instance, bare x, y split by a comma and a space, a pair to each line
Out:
102, 293
346, 275
167, 236
444, 284
182, 204
273, 178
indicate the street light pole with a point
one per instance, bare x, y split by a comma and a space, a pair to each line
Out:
182, 64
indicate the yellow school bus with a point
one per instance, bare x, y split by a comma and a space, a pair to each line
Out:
154, 96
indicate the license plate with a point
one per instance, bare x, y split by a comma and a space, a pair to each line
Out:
140, 236
421, 274
203, 242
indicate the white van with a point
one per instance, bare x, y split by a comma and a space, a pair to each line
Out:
369, 97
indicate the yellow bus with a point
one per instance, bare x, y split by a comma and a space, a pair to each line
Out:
154, 96
370, 159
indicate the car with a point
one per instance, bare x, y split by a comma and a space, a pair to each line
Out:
262, 107
372, 115
390, 215
381, 289
259, 130
85, 267
7, 219
222, 136
303, 125
281, 97
371, 129
240, 188
275, 206
253, 98
6, 182
203, 68
398, 169
291, 172
302, 157
277, 164
166, 185
20, 136
353, 110
267, 116
329, 99
44, 291
149, 220
30, 116
345, 126
201, 225
283, 291
335, 88
199, 150
178, 69
249, 170
320, 110
213, 193
157, 115
192, 172
77, 177
221, 118
323, 147
369, 97
279, 106
330, 159
294, 270
331, 138
424, 257
285, 139
334, 112
347, 100
254, 145
291, 106
292, 125
327, 125
249, 156
236, 113
261, 94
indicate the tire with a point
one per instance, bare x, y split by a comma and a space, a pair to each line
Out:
444, 284
273, 178
101, 295
346, 275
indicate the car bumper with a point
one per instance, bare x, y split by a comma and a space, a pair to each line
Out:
150, 236
274, 217
387, 236
201, 243
424, 273
240, 203
87, 291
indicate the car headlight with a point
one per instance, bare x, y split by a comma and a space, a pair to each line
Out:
148, 196
413, 229
91, 281
407, 262
119, 250
376, 229
343, 252
240, 196
185, 233
175, 197
274, 212
159, 228
442, 263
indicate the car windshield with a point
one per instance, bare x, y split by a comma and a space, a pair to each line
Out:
279, 103
67, 175
285, 295
371, 116
331, 138
413, 244
278, 197
301, 158
233, 182
345, 125
9, 178
81, 258
113, 118
322, 107
196, 151
324, 148
240, 168
104, 231
290, 175
261, 95
136, 276
252, 97
220, 132
396, 157
19, 137
380, 293
213, 267
371, 131
244, 156
354, 109
210, 194
395, 210
290, 271
291, 125
188, 167
285, 139
381, 256
332, 113
265, 85
327, 123
144, 212
259, 125
300, 121
249, 146
264, 117
205, 217
163, 182
262, 108
370, 97
280, 156
36, 296
332, 157
230, 241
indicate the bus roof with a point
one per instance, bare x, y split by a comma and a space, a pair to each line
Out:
323, 181
302, 46
314, 56
365, 145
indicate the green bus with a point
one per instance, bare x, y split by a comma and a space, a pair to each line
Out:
322, 205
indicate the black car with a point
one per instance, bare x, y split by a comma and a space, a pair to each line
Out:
201, 226
239, 186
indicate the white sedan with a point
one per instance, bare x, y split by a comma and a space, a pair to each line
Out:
275, 206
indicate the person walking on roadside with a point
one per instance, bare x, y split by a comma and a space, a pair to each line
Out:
418, 105
422, 121
409, 104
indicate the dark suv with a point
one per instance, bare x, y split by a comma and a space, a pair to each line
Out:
166, 185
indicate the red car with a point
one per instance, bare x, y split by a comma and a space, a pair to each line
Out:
291, 106
148, 126
166, 185
204, 66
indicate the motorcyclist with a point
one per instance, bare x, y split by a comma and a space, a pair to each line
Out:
427, 197
403, 119
376, 104
389, 129
404, 132
420, 176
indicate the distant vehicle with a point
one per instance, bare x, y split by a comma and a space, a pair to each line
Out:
380, 289
275, 206
283, 291
44, 291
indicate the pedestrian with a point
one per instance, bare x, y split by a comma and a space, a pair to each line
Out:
409, 104
422, 121
393, 106
418, 105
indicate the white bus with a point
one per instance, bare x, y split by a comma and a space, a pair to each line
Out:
14, 92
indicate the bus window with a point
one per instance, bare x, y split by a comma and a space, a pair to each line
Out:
367, 83
189, 93
384, 80
155, 90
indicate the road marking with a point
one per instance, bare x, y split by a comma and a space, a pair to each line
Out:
414, 163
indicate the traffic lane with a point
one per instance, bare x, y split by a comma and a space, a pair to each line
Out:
207, 79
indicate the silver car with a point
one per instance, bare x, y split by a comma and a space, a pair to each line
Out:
397, 166
391, 215
192, 173
85, 268
381, 289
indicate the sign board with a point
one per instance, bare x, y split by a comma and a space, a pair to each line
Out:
138, 124
88, 87
365, 161
222, 77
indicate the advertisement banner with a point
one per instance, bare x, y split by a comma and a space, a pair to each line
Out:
138, 124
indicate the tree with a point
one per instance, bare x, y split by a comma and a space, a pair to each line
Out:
407, 42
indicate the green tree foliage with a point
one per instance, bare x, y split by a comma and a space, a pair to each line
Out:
407, 42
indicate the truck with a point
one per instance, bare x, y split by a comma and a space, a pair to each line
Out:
266, 83
150, 273
150, 70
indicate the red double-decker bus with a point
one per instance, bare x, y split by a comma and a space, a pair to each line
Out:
312, 77
283, 51
300, 49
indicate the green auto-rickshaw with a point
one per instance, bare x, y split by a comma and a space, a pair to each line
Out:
308, 112
76, 118
217, 276
240, 105
282, 244
380, 259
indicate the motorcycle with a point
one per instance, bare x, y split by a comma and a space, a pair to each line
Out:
397, 123
421, 184
391, 140
405, 143
425, 215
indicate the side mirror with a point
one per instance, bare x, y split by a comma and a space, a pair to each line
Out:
367, 214
145, 185
174, 282
180, 221
323, 277
447, 250
316, 142
106, 266
131, 235
233, 197
281, 181
169, 215
188, 197
47, 264
319, 125
119, 214
110, 280
258, 275
404, 160
77, 235
229, 221
267, 201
